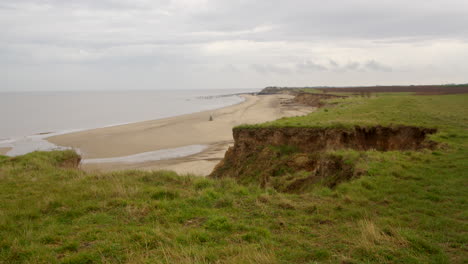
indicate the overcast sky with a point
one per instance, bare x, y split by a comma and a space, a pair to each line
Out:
217, 44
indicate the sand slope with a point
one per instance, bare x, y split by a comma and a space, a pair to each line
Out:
177, 132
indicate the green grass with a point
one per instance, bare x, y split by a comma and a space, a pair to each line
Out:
310, 90
448, 111
409, 207
318, 91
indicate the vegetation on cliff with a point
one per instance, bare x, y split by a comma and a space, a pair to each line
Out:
294, 159
367, 90
402, 206
386, 109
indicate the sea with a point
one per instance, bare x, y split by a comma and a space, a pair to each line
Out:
28, 118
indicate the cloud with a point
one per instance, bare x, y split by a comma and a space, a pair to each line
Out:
334, 41
334, 66
352, 66
376, 66
308, 65
356, 66
271, 69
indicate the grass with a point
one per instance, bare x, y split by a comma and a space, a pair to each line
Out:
446, 111
319, 91
310, 90
409, 207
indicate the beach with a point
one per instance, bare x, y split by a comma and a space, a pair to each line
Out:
4, 151
178, 131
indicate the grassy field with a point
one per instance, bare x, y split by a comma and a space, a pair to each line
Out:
446, 111
408, 207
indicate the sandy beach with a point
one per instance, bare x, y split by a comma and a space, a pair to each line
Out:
4, 151
176, 132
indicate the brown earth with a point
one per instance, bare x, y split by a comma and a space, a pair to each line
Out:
279, 90
292, 159
315, 100
320, 139
70, 161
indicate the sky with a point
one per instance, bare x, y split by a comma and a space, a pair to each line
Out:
225, 44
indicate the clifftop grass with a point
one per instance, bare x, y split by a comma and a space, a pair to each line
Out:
409, 207
388, 109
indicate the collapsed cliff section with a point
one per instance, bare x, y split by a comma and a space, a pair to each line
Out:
314, 99
279, 90
330, 138
301, 97
294, 159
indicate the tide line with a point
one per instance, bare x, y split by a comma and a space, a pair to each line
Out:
162, 154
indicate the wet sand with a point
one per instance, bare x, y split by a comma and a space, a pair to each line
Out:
176, 132
4, 151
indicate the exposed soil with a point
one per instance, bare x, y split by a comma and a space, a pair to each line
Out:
71, 160
320, 139
293, 159
279, 90
314, 100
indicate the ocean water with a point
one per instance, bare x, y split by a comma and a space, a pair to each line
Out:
27, 118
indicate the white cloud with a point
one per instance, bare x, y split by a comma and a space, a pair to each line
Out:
179, 43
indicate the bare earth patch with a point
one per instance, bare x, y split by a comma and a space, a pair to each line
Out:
291, 159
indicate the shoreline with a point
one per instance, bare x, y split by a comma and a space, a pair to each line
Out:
75, 139
117, 109
175, 132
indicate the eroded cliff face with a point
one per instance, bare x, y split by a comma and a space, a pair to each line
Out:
320, 139
292, 158
72, 162
313, 99
279, 90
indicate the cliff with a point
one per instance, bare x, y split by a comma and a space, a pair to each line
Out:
314, 99
279, 90
292, 158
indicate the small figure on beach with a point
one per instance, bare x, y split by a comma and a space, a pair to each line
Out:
211, 118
